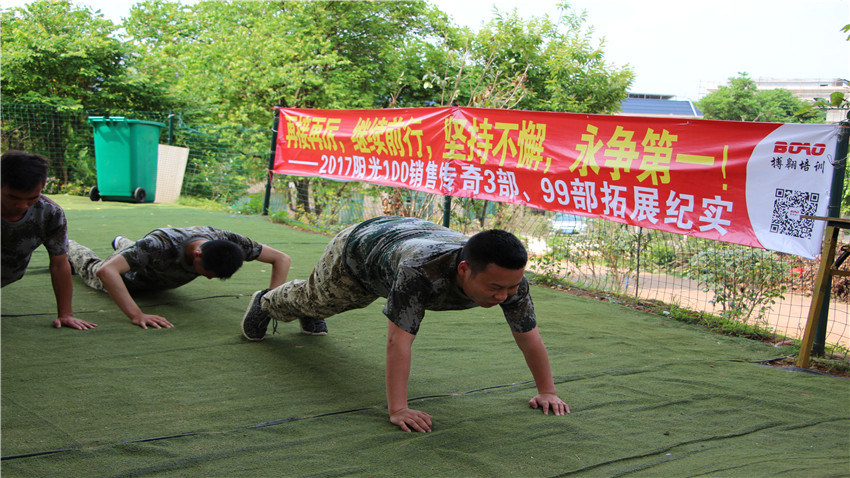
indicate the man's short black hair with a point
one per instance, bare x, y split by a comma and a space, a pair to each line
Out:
22, 171
494, 247
222, 257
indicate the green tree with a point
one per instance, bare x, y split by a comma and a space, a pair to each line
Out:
578, 79
228, 63
67, 56
535, 64
235, 60
741, 100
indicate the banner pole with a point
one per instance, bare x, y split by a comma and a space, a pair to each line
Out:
171, 128
268, 195
447, 211
835, 197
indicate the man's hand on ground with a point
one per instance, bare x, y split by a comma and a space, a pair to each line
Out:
74, 323
154, 321
411, 420
549, 401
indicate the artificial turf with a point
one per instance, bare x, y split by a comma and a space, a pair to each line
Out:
649, 396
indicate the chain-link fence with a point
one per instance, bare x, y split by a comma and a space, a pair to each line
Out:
758, 293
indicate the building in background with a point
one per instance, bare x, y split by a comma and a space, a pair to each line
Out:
808, 89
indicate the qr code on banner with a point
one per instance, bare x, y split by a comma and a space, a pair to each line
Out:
789, 207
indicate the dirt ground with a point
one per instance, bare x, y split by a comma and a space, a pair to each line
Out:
787, 316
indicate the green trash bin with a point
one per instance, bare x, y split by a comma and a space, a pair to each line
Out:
126, 154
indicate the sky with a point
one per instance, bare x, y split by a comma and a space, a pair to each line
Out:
675, 47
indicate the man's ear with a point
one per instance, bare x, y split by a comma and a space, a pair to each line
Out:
197, 253
463, 267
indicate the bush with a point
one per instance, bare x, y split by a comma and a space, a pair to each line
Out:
745, 282
252, 204
661, 254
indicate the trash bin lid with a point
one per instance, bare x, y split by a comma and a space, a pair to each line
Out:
121, 119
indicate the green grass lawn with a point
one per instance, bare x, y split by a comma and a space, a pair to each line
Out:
649, 396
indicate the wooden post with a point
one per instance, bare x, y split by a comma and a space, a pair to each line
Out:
823, 284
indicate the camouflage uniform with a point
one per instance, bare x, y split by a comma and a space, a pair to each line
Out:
410, 262
157, 261
43, 223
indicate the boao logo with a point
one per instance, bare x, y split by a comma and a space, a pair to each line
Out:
799, 148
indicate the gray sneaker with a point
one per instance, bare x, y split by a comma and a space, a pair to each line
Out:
255, 322
314, 327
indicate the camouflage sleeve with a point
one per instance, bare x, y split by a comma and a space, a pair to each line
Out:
406, 300
143, 253
56, 233
519, 310
252, 248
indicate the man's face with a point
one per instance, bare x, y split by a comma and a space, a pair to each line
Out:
15, 203
490, 287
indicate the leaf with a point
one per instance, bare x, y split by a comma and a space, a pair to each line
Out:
808, 110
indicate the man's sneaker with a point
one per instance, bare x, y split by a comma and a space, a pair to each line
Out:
115, 242
255, 322
314, 327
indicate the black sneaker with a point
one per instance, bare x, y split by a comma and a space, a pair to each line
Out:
255, 322
115, 242
314, 327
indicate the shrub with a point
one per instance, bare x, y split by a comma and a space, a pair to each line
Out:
745, 282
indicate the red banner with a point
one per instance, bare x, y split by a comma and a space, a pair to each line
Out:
744, 183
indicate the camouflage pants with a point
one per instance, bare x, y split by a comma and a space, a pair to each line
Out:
328, 291
86, 263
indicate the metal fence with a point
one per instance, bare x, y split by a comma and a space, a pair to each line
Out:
673, 274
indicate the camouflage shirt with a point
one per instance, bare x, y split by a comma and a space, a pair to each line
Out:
413, 263
158, 260
43, 223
